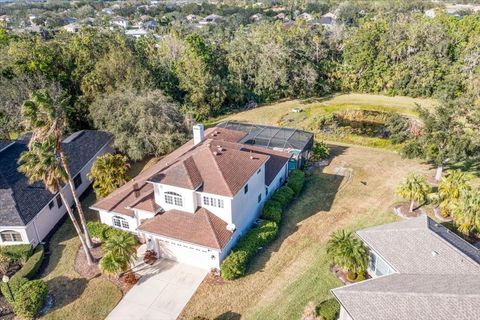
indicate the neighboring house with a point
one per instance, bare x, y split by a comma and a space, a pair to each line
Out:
211, 19
419, 270
194, 204
136, 33
29, 212
192, 18
328, 19
120, 22
72, 28
305, 16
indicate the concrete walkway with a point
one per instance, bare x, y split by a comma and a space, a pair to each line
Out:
161, 293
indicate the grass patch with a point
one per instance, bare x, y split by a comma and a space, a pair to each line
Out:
356, 190
76, 297
280, 113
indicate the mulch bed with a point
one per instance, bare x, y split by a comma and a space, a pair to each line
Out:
6, 312
342, 275
403, 210
214, 278
93, 271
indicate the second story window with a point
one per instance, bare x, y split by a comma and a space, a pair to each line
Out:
173, 198
245, 189
213, 202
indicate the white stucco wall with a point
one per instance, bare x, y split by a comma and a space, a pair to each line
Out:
106, 217
39, 227
224, 213
245, 206
189, 198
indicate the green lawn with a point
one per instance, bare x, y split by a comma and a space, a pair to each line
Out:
76, 297
280, 113
355, 191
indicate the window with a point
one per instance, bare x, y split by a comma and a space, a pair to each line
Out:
59, 201
10, 236
173, 198
245, 189
77, 181
259, 198
50, 205
120, 223
266, 192
214, 202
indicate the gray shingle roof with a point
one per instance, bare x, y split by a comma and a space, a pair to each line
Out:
19, 201
438, 275
413, 296
420, 245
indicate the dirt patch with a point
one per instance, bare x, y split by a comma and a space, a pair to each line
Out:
213, 278
6, 312
342, 275
403, 210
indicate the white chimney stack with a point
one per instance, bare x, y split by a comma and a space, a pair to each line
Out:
198, 133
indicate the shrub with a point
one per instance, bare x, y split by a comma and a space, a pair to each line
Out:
320, 151
17, 252
15, 284
29, 299
235, 265
329, 309
97, 229
150, 257
296, 179
30, 267
130, 278
283, 195
272, 211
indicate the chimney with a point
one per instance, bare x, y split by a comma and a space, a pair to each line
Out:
198, 133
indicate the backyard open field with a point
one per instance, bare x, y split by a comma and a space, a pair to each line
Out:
354, 191
312, 110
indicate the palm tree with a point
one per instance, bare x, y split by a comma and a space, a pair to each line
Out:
348, 252
414, 188
466, 212
108, 173
120, 248
41, 163
451, 189
44, 116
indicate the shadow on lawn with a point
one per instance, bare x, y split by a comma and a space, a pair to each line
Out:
317, 196
66, 290
229, 315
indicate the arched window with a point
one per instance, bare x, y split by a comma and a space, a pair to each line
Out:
11, 236
173, 198
120, 222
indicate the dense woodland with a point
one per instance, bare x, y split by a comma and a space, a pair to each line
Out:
105, 80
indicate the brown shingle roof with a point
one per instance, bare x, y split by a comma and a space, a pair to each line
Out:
202, 227
146, 203
224, 173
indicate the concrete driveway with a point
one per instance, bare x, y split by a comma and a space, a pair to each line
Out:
161, 293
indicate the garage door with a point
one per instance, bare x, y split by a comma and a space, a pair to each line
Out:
188, 254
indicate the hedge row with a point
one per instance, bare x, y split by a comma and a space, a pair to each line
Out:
296, 179
102, 231
27, 297
283, 195
30, 268
235, 265
17, 252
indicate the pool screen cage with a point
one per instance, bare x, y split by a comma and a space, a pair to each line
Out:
277, 138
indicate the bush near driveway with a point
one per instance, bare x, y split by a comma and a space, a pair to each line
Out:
103, 232
235, 265
29, 299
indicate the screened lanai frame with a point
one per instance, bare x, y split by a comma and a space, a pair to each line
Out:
272, 137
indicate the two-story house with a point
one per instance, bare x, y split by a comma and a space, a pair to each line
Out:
195, 203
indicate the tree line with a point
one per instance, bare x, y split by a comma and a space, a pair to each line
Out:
110, 82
